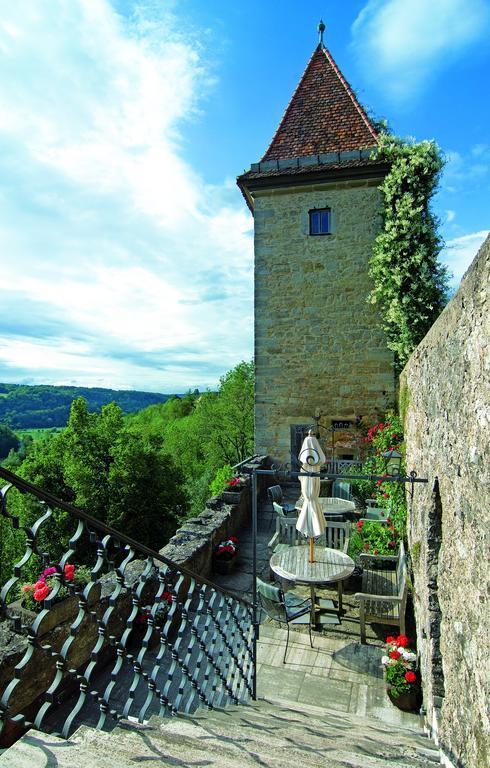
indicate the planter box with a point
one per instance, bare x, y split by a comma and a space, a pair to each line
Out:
224, 567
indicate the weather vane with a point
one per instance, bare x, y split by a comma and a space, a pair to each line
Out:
321, 30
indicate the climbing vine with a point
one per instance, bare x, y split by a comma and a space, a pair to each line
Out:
410, 286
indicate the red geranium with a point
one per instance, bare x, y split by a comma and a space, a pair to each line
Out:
390, 639
402, 640
42, 593
410, 676
394, 654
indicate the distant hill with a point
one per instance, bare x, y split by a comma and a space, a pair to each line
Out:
28, 407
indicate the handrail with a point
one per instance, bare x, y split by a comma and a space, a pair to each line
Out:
24, 486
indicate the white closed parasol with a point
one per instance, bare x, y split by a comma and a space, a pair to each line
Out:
311, 521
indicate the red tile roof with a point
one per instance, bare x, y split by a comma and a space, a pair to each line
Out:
322, 116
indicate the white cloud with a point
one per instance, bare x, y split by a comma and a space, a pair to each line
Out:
401, 44
460, 252
119, 265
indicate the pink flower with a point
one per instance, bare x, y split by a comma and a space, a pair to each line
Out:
49, 571
40, 584
27, 588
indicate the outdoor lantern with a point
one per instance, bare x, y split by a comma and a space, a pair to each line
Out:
393, 461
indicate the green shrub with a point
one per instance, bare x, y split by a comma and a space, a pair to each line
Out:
373, 538
220, 482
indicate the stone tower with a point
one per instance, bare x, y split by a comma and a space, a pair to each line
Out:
314, 196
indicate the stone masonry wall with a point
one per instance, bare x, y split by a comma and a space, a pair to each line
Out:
445, 393
317, 342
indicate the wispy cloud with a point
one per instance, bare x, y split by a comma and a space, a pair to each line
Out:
459, 252
402, 45
115, 253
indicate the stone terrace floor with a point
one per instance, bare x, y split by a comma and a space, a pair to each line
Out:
339, 672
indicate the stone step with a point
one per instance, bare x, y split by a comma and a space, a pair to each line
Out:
273, 734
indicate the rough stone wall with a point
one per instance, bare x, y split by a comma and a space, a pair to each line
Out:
317, 342
445, 393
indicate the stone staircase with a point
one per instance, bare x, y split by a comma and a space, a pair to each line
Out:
282, 734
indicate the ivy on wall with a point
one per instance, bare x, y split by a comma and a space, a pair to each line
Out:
410, 286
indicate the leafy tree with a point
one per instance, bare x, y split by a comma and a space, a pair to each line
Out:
410, 286
121, 478
8, 441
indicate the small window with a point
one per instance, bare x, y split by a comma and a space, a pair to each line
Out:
320, 221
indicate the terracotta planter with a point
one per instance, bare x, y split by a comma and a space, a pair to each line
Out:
408, 702
224, 567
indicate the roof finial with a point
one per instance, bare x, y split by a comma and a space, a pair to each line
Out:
321, 30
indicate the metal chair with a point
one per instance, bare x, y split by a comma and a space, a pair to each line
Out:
274, 492
279, 607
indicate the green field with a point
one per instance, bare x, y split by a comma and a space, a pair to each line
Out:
39, 433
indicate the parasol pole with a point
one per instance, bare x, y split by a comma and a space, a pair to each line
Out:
312, 549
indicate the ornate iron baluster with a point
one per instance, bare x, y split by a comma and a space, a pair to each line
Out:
192, 650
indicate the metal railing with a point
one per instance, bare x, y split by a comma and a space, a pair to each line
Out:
144, 635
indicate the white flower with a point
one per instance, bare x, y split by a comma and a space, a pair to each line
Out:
385, 660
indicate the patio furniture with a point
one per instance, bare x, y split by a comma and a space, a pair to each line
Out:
377, 514
332, 506
282, 608
286, 534
337, 535
274, 492
341, 490
329, 566
384, 592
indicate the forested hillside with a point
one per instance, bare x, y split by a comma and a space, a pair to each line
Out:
142, 473
25, 407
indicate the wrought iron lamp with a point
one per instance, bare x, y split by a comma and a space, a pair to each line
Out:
393, 461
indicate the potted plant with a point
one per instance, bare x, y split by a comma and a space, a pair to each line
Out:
225, 555
62, 604
402, 679
227, 485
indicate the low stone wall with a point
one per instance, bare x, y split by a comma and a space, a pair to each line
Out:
193, 544
445, 396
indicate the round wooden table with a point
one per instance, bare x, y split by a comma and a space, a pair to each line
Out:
331, 507
330, 565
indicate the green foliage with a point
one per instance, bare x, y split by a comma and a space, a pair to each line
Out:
372, 538
46, 406
220, 482
8, 441
388, 495
410, 286
123, 479
202, 432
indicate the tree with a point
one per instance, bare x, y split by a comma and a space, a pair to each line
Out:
8, 441
121, 478
410, 286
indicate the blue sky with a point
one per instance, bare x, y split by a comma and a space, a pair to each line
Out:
126, 248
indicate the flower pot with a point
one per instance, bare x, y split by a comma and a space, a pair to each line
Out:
408, 701
231, 497
224, 567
